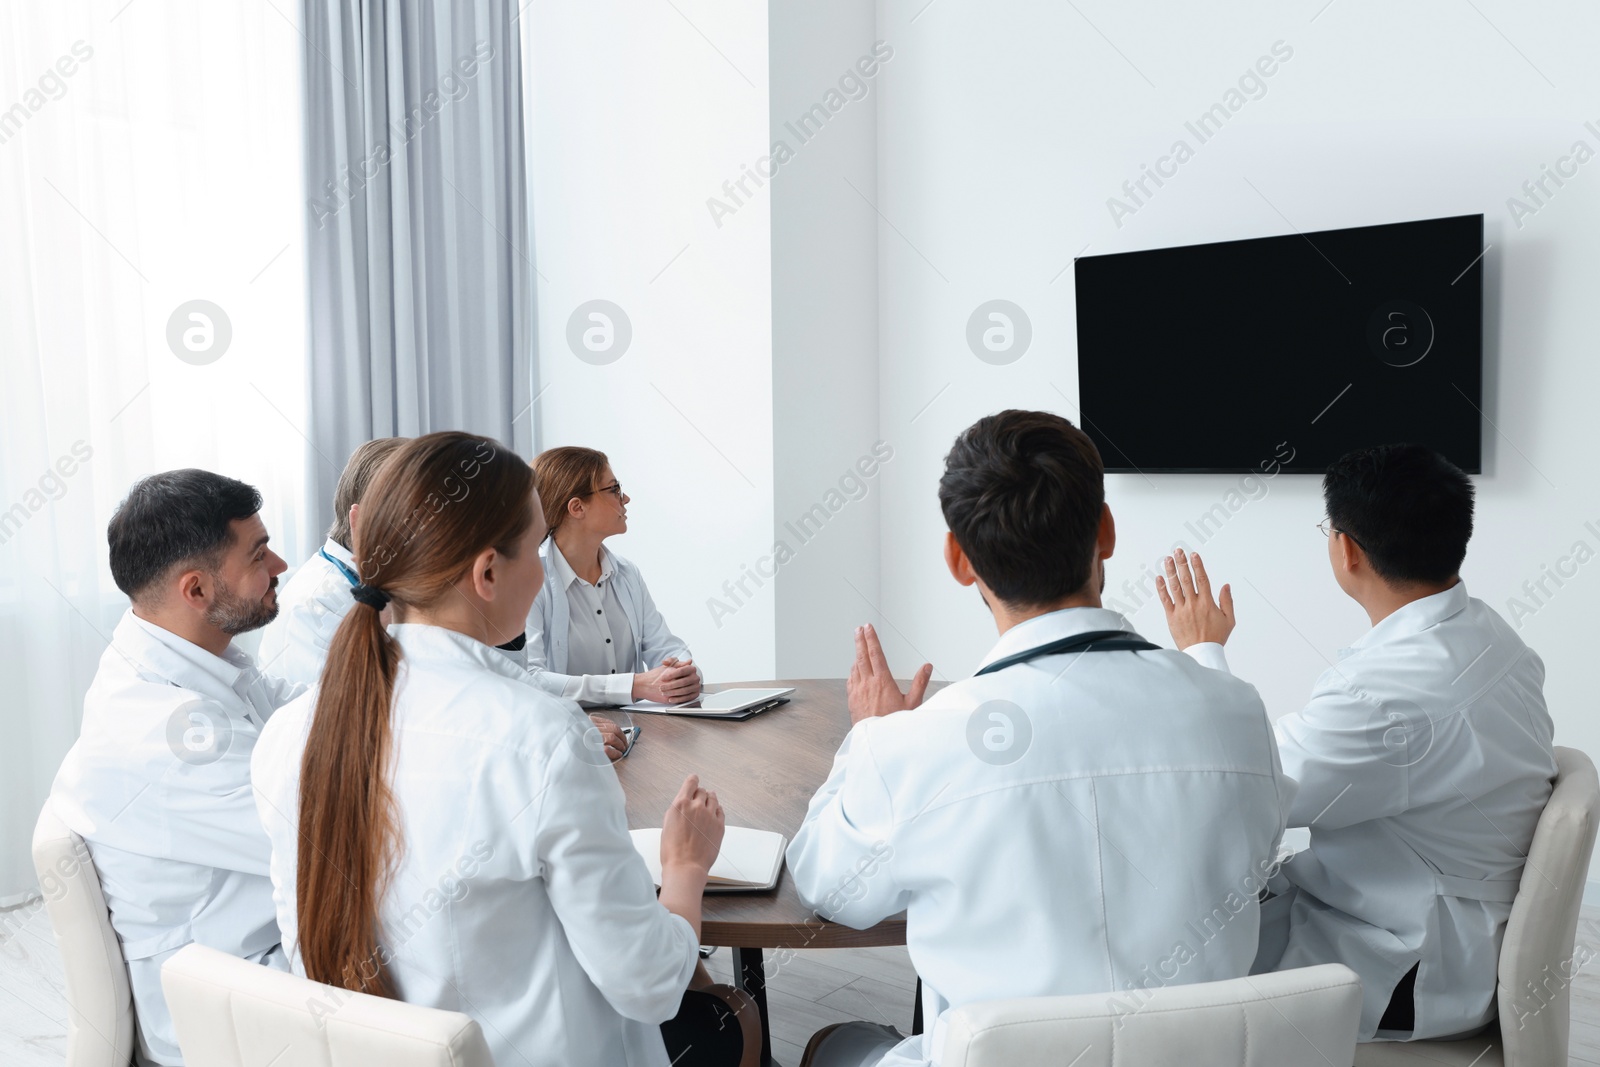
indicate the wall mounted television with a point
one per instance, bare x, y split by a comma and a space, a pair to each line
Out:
1214, 357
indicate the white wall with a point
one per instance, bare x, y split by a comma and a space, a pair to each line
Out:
1003, 129
1000, 130
825, 331
637, 113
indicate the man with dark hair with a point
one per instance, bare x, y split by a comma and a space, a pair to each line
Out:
1089, 813
158, 782
316, 597
1423, 757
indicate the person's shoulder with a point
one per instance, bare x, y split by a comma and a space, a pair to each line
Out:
125, 694
502, 711
282, 740
292, 719
625, 566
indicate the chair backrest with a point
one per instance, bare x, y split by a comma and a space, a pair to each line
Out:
1308, 1017
1537, 958
100, 1022
233, 1013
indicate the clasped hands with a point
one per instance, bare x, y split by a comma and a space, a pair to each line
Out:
674, 682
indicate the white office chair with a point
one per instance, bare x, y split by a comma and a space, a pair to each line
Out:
233, 1013
1536, 957
100, 1022
1298, 1018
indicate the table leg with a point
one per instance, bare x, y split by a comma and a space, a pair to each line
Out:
916, 1010
750, 975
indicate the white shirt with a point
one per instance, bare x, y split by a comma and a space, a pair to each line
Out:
599, 639
158, 784
551, 655
1120, 847
311, 604
1424, 760
518, 897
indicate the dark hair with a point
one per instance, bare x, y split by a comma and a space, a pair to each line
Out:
1023, 492
172, 519
358, 472
1407, 507
436, 503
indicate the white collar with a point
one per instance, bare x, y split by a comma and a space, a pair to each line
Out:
1053, 626
1419, 615
159, 652
556, 560
425, 643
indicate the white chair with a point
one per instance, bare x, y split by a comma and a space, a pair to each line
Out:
233, 1013
1299, 1018
1536, 958
100, 1022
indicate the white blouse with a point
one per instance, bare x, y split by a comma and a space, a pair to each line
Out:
601, 641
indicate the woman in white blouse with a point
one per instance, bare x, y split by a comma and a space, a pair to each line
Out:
445, 834
594, 634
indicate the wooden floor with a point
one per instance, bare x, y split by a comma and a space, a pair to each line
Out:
805, 993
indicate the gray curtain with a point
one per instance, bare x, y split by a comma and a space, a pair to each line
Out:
421, 301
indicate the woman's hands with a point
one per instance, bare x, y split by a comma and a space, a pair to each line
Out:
691, 829
671, 683
691, 837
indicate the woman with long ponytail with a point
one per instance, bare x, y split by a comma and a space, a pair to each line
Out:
447, 834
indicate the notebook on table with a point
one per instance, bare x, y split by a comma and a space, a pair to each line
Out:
750, 860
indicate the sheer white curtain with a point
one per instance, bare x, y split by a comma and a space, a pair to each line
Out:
149, 157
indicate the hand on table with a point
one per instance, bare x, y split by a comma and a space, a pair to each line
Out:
691, 829
671, 683
611, 736
1192, 616
872, 689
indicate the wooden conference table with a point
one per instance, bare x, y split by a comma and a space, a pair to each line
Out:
764, 770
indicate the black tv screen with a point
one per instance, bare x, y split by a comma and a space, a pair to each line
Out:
1225, 357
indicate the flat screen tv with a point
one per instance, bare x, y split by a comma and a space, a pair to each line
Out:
1225, 357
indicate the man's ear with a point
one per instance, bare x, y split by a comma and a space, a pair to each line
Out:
194, 590
1106, 537
1351, 558
954, 558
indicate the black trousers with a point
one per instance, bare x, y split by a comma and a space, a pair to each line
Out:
704, 1033
1401, 1014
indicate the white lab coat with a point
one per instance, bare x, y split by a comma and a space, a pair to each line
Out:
1424, 761
311, 605
1120, 850
158, 784
549, 622
518, 897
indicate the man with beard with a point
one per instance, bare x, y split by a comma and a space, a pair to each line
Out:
158, 782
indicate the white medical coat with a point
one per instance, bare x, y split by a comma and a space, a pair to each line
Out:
518, 897
158, 784
1424, 761
549, 623
1097, 822
311, 605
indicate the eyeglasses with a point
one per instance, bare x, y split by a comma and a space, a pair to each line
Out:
615, 489
1329, 529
